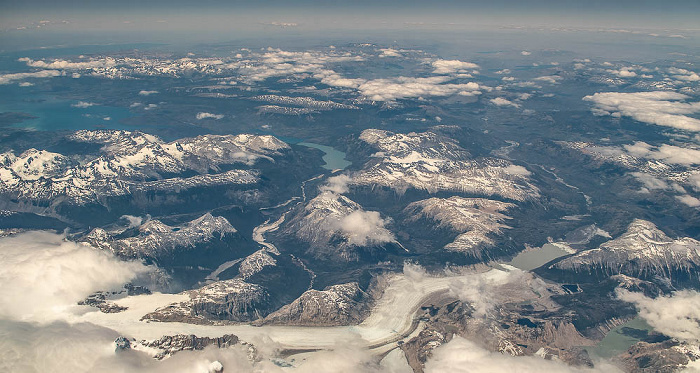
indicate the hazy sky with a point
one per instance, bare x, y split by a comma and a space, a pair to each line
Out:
163, 20
628, 13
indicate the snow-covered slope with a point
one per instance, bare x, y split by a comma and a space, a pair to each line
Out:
335, 226
255, 263
131, 161
432, 162
335, 305
643, 250
474, 219
229, 300
156, 240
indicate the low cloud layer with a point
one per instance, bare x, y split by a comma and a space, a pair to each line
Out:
9, 78
661, 108
203, 115
668, 153
500, 101
463, 356
44, 276
677, 315
337, 184
362, 228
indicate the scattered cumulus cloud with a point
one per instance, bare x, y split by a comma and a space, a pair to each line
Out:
408, 87
9, 78
623, 73
662, 108
463, 356
83, 104
147, 93
683, 74
500, 101
203, 115
389, 52
337, 184
650, 182
525, 53
70, 65
676, 315
552, 79
668, 153
689, 200
452, 66
364, 227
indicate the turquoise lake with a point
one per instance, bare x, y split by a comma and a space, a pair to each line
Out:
335, 159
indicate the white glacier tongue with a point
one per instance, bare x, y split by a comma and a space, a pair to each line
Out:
431, 162
642, 250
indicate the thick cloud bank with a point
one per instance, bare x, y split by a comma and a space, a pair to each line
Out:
42, 275
462, 356
677, 315
661, 108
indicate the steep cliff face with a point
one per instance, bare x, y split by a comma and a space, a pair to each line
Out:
219, 302
172, 344
642, 251
335, 305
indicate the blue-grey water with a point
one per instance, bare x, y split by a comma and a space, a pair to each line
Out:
534, 258
335, 159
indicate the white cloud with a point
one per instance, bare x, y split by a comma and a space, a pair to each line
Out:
9, 78
44, 276
660, 107
147, 93
203, 115
689, 200
500, 101
650, 182
463, 356
677, 315
552, 79
525, 53
668, 153
364, 227
69, 65
452, 66
685, 75
694, 181
389, 52
26, 84
407, 87
623, 73
83, 104
337, 184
